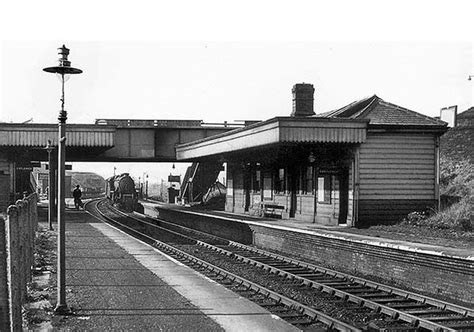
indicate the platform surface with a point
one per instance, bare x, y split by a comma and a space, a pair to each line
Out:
327, 231
115, 282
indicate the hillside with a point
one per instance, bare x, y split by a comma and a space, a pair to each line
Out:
457, 157
88, 181
457, 144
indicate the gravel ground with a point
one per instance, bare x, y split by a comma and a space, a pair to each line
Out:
348, 312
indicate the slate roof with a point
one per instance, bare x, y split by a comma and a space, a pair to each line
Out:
381, 112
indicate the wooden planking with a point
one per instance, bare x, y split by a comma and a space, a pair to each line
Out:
4, 166
398, 196
409, 179
376, 212
381, 138
396, 166
398, 187
377, 170
368, 163
321, 134
388, 155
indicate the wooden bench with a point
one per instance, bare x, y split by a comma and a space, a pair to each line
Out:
272, 210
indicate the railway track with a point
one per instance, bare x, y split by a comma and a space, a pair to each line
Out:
306, 295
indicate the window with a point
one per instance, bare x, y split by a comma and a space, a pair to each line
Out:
280, 181
256, 181
324, 188
230, 187
307, 180
267, 186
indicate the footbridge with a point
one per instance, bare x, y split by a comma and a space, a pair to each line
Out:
107, 140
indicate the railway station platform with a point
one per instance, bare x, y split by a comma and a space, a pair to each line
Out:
115, 282
445, 272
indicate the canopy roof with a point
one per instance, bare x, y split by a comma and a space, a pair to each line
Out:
279, 130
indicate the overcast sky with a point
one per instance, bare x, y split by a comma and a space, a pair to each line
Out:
155, 63
226, 81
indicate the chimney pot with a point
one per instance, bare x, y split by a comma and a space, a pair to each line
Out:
303, 99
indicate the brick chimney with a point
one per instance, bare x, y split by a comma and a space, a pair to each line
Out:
303, 99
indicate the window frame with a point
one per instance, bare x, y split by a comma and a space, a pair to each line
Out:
256, 181
327, 188
279, 181
307, 182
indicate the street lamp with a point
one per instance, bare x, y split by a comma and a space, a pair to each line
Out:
63, 70
146, 186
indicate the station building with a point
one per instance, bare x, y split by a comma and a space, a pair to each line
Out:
369, 162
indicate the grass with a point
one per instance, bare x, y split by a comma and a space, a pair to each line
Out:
452, 225
457, 192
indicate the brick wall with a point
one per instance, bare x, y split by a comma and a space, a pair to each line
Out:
235, 231
437, 275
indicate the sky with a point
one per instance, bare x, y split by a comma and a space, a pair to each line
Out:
216, 62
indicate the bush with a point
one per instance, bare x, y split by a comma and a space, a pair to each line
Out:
456, 178
415, 218
456, 217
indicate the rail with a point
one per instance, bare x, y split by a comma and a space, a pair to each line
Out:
300, 310
415, 309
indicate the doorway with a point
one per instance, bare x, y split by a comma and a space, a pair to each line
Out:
343, 196
247, 176
293, 187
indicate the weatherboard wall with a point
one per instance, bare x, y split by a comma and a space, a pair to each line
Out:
397, 175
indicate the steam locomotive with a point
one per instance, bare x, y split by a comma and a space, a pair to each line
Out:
120, 190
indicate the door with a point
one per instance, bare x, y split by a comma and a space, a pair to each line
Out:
343, 196
293, 187
247, 176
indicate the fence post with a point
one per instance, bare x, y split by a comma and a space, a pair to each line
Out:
34, 228
21, 257
35, 213
4, 303
30, 238
13, 268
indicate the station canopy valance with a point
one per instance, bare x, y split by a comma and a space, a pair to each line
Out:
31, 135
279, 130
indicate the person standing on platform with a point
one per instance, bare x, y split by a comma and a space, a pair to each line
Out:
77, 193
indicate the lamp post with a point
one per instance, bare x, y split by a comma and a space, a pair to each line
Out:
139, 187
63, 70
146, 187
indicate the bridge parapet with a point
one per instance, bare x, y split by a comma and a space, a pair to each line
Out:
136, 123
37, 135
